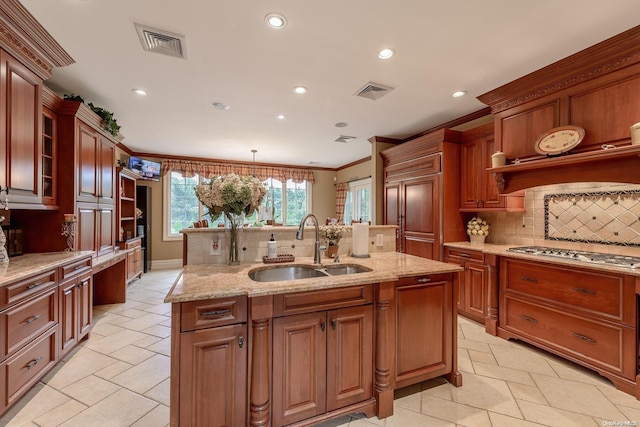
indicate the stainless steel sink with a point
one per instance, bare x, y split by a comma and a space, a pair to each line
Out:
294, 272
339, 269
285, 272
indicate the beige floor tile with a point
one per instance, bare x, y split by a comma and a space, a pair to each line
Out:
529, 393
123, 408
105, 329
147, 341
439, 388
555, 417
134, 313
60, 414
113, 370
162, 347
576, 397
146, 375
161, 308
143, 322
569, 371
132, 354
464, 361
90, 390
366, 422
115, 319
522, 359
486, 393
456, 413
80, 366
502, 373
160, 393
473, 332
37, 402
158, 331
482, 357
158, 417
473, 345
630, 414
116, 341
411, 401
500, 420
405, 418
620, 399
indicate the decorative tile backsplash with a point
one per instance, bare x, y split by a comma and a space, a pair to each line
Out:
605, 217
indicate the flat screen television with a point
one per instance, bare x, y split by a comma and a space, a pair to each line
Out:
145, 168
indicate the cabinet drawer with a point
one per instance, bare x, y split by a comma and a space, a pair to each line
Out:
598, 343
22, 322
133, 244
427, 278
601, 293
75, 269
213, 313
456, 254
307, 302
23, 289
22, 370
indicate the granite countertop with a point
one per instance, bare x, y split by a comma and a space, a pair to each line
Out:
501, 250
199, 282
23, 266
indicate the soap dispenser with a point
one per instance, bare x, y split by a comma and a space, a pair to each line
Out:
272, 247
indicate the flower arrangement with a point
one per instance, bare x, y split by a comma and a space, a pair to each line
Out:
231, 194
477, 227
333, 233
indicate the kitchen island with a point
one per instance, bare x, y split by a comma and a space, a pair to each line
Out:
299, 352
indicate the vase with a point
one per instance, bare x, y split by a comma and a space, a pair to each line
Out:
233, 227
477, 240
332, 251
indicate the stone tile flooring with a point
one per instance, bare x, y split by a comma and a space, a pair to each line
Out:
120, 377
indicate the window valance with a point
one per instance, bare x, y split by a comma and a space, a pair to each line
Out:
210, 170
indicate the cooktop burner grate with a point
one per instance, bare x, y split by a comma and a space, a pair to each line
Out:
585, 256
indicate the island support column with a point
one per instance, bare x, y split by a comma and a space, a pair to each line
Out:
261, 312
384, 293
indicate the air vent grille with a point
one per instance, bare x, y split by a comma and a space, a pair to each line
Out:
344, 138
373, 91
160, 41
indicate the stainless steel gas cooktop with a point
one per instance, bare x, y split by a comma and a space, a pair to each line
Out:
590, 257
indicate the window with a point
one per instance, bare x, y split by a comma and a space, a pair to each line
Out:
182, 208
357, 206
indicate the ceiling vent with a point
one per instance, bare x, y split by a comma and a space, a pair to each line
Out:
160, 41
344, 138
373, 91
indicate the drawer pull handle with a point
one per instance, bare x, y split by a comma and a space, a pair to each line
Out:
584, 338
584, 291
35, 285
216, 313
465, 255
423, 280
322, 326
529, 319
78, 267
240, 341
34, 362
33, 319
334, 323
529, 279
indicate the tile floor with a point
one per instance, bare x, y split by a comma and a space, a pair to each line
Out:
120, 377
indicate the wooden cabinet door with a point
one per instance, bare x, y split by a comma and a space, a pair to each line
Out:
421, 222
475, 292
84, 288
213, 377
489, 194
86, 228
423, 330
392, 209
68, 316
470, 158
106, 171
105, 232
349, 356
88, 143
20, 122
299, 367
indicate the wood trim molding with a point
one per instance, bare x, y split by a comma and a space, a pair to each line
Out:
84, 113
23, 37
357, 162
609, 55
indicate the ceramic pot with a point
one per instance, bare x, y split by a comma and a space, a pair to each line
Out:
332, 251
477, 240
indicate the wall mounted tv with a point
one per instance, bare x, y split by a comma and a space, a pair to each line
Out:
145, 168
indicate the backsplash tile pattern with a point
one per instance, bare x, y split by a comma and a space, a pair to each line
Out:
604, 217
528, 228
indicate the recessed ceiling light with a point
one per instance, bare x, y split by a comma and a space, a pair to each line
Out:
386, 53
341, 125
300, 89
140, 92
281, 117
220, 106
458, 93
275, 21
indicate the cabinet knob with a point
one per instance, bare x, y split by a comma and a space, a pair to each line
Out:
240, 341
322, 326
334, 323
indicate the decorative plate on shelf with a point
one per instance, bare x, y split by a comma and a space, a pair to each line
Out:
559, 140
